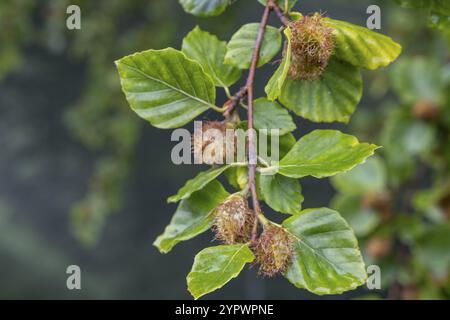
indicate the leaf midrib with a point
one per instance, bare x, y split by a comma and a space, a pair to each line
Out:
169, 86
316, 252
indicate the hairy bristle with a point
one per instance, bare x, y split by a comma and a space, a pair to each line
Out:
234, 221
273, 250
312, 47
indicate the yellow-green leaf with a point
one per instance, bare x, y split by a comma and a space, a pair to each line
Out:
276, 82
215, 266
363, 47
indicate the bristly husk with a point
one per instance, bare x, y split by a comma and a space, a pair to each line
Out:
312, 47
274, 250
234, 221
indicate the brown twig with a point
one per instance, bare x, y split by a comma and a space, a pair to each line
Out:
284, 20
231, 104
252, 151
248, 91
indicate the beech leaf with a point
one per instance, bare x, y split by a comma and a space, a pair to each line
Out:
215, 266
327, 259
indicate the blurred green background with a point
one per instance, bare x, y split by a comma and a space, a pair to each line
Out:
84, 181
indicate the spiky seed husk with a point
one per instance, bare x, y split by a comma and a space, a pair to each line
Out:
234, 221
274, 250
312, 47
206, 141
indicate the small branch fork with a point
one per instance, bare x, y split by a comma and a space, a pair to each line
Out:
248, 91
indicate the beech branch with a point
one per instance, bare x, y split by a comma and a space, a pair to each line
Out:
248, 91
252, 150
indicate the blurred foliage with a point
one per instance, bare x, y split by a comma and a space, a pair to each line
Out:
399, 204
100, 119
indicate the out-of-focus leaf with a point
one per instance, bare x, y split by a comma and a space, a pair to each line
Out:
242, 44
362, 220
440, 6
193, 216
215, 266
166, 88
209, 51
326, 259
402, 132
418, 79
367, 177
332, 97
433, 249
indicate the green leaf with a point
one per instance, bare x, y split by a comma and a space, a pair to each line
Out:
285, 144
327, 259
285, 5
270, 115
209, 51
165, 88
440, 22
281, 193
362, 220
215, 266
332, 97
403, 132
237, 177
205, 8
193, 216
433, 250
440, 6
418, 79
367, 177
242, 44
197, 183
324, 153
276, 82
362, 47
